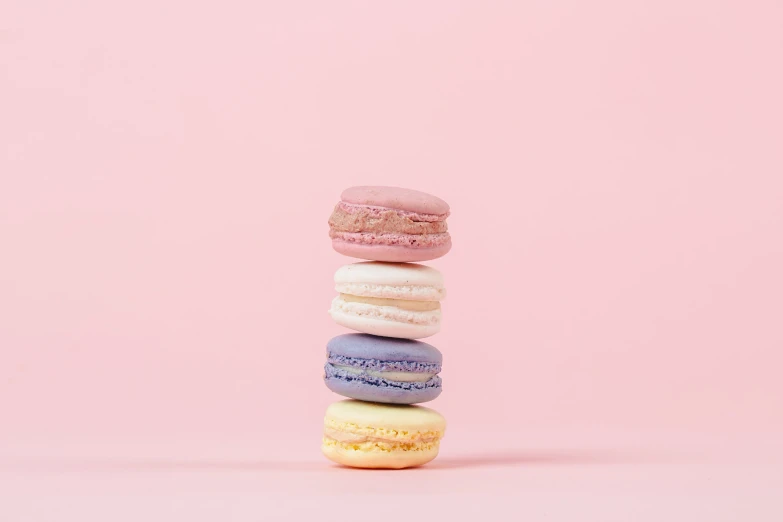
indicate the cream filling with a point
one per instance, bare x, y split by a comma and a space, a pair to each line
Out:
390, 376
378, 446
385, 313
403, 304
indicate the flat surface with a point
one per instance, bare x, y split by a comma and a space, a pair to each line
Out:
693, 481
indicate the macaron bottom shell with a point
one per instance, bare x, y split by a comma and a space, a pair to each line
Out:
390, 253
370, 456
393, 393
383, 327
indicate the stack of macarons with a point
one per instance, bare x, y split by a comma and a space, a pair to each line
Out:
390, 301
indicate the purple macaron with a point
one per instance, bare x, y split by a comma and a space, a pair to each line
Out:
382, 369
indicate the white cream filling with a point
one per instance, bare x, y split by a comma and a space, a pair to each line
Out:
403, 304
390, 376
386, 313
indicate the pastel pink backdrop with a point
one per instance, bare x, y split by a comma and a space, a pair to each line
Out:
615, 172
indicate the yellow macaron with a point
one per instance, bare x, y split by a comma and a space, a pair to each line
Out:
369, 435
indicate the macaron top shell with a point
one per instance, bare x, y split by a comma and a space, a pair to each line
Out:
376, 278
365, 346
386, 416
396, 198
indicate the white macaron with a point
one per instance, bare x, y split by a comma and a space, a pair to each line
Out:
389, 299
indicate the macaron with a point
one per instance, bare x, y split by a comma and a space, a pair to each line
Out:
389, 299
382, 369
369, 435
390, 224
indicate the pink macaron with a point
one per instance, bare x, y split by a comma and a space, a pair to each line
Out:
390, 224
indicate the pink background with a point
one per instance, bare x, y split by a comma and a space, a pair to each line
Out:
612, 334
